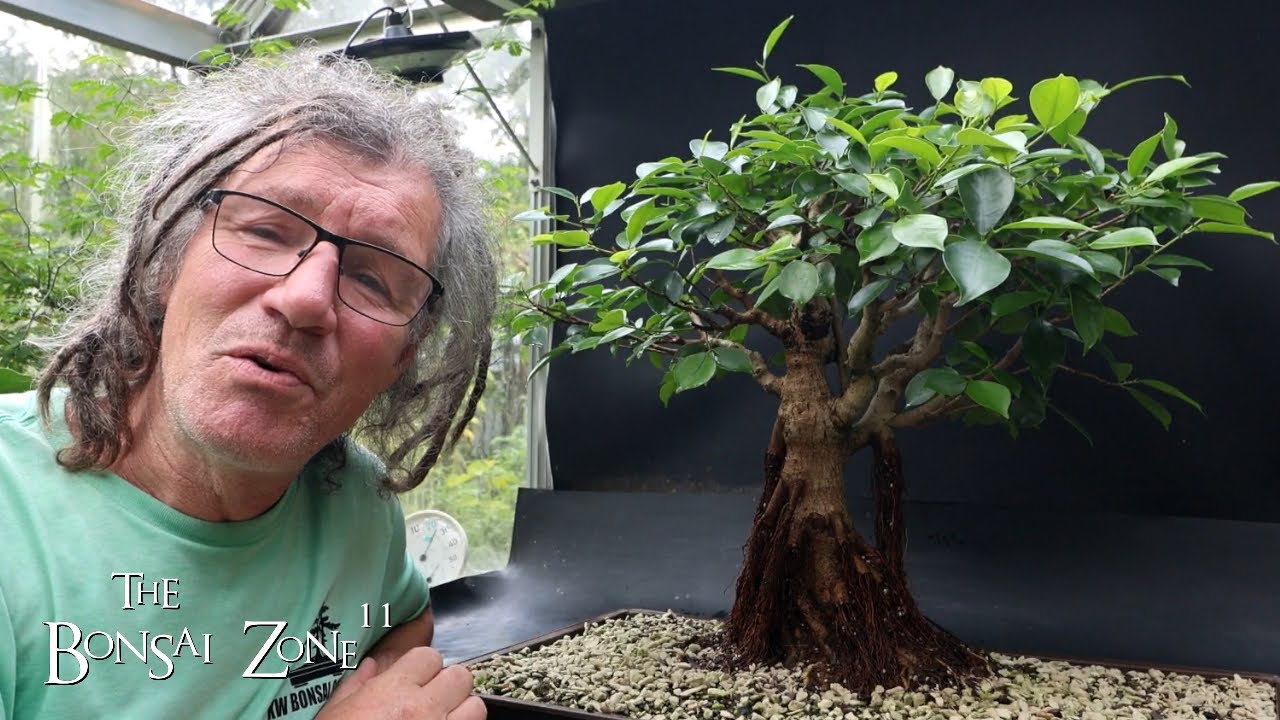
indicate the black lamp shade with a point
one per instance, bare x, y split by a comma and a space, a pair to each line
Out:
419, 58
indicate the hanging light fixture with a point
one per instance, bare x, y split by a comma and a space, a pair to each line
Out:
419, 58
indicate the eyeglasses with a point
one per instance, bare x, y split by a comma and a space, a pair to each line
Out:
266, 237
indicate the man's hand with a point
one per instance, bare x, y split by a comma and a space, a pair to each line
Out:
415, 687
403, 638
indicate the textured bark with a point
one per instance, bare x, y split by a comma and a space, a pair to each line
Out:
812, 591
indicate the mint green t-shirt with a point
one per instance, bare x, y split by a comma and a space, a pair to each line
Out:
88, 563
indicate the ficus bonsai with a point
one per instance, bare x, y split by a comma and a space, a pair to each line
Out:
915, 264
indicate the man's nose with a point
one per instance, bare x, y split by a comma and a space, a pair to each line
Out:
307, 297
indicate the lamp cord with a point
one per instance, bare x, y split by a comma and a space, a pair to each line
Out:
361, 26
493, 105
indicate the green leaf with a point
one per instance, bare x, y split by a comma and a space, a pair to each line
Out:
1087, 313
1053, 100
1141, 155
976, 268
997, 88
1055, 250
1044, 223
885, 80
561, 273
590, 273
921, 231
1178, 260
1234, 230
732, 359
785, 221
532, 216
1176, 165
1069, 128
1127, 237
798, 281
1043, 347
1156, 409
933, 381
668, 388
986, 194
694, 370
815, 118
1092, 156
610, 319
744, 72
833, 144
1169, 138
640, 216
847, 129
708, 148
1010, 303
876, 242
774, 35
601, 197
970, 100
12, 381
720, 230
945, 381
768, 94
917, 147
1216, 207
1248, 191
616, 334
971, 136
884, 184
829, 77
990, 395
787, 97
959, 173
865, 295
571, 238
1103, 262
1072, 422
856, 184
1145, 78
939, 81
917, 393
1172, 391
1171, 275
735, 259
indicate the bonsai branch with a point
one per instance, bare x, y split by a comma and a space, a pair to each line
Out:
759, 366
1091, 376
1123, 279
937, 408
857, 355
925, 345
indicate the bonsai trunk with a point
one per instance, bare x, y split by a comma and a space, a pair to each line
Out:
812, 590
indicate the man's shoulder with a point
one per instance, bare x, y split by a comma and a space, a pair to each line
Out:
18, 408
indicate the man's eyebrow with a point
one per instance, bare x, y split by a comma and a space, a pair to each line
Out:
301, 202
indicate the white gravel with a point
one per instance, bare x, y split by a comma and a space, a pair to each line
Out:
649, 667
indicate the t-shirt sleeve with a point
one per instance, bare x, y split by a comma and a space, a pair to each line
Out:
405, 587
8, 664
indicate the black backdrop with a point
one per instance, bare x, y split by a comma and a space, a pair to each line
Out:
632, 82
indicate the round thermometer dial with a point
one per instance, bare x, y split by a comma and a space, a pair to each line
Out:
438, 545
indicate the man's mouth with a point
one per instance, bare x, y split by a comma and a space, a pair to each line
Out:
262, 363
284, 369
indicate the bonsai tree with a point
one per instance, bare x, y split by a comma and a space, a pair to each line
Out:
914, 263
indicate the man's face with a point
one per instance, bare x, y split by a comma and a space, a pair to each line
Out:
263, 371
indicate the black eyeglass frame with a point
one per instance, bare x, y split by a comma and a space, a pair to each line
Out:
213, 198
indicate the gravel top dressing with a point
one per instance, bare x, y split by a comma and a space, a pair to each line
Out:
658, 667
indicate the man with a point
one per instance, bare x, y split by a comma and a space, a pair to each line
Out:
188, 529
